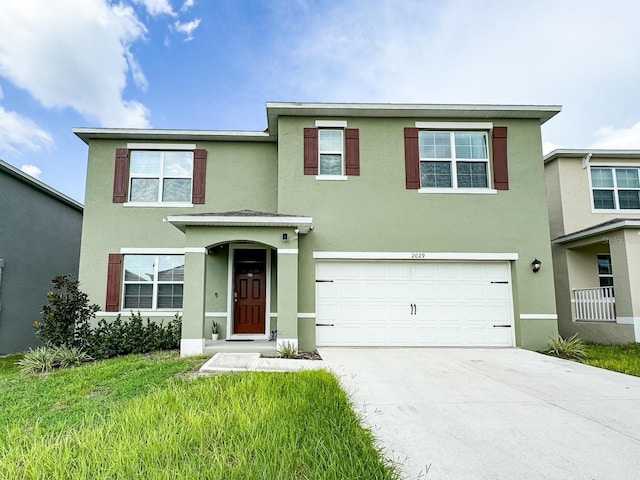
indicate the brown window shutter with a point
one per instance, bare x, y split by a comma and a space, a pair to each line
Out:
500, 168
114, 281
311, 151
352, 143
199, 175
121, 177
411, 158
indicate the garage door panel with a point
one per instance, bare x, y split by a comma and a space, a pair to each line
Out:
421, 303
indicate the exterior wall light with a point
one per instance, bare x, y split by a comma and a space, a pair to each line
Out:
535, 265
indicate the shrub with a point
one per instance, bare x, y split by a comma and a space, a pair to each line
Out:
65, 320
40, 360
120, 337
45, 359
287, 350
572, 348
70, 356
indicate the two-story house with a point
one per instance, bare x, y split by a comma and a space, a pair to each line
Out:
341, 224
594, 214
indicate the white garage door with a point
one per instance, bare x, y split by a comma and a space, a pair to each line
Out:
403, 304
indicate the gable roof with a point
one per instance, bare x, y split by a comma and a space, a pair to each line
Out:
38, 185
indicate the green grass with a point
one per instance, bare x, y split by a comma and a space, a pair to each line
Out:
133, 418
619, 358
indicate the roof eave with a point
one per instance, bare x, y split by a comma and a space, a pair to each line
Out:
303, 224
598, 153
275, 109
88, 134
597, 230
43, 187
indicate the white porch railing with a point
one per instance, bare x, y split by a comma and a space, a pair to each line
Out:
595, 304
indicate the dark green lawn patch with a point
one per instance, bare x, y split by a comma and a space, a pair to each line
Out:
619, 358
75, 396
134, 418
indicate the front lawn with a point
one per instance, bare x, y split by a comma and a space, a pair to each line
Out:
138, 417
620, 358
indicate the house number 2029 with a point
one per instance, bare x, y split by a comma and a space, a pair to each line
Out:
419, 255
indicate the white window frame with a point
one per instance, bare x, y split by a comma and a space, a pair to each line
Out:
604, 275
616, 201
339, 125
452, 128
155, 282
159, 201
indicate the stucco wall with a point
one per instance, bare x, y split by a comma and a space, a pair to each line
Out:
375, 212
240, 175
39, 239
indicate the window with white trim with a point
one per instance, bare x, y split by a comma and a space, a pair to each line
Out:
154, 282
453, 159
605, 272
615, 188
331, 151
160, 176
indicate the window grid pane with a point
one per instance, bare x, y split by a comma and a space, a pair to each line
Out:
161, 176
153, 281
615, 188
330, 149
435, 174
453, 146
472, 175
603, 199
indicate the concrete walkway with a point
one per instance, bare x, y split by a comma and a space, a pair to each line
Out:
240, 362
494, 413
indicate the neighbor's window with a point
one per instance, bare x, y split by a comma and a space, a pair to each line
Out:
158, 176
615, 188
330, 150
153, 281
453, 159
605, 272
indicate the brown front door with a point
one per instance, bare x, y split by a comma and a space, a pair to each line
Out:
250, 291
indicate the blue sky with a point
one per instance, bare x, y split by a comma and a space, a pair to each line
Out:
213, 64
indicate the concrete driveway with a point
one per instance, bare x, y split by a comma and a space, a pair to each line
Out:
494, 413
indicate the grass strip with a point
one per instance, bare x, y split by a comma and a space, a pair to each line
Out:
619, 358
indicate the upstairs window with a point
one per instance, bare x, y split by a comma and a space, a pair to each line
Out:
453, 159
149, 176
153, 282
615, 188
331, 152
157, 176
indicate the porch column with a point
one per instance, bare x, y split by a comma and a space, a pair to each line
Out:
192, 342
625, 259
288, 296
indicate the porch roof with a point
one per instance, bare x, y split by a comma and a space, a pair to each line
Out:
242, 218
611, 225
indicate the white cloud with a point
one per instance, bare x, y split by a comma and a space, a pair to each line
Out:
32, 170
17, 132
187, 5
187, 28
609, 137
76, 55
1, 93
157, 7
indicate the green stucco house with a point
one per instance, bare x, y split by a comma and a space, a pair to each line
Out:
340, 224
